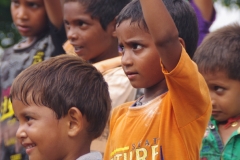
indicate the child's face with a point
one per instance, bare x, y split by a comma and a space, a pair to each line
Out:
40, 132
225, 95
86, 35
29, 16
140, 60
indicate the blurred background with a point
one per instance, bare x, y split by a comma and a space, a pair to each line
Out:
8, 33
228, 11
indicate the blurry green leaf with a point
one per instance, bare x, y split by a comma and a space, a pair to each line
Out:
230, 3
8, 34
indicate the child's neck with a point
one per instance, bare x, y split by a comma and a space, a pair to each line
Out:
227, 128
28, 42
154, 91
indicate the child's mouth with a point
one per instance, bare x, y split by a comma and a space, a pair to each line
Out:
23, 28
78, 50
29, 147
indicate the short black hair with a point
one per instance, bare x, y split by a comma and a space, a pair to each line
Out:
182, 14
104, 10
220, 51
63, 82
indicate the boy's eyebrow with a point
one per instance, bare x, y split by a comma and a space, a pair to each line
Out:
131, 41
34, 0
77, 19
28, 113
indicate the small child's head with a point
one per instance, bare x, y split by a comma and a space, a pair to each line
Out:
218, 60
29, 17
90, 27
62, 104
141, 59
182, 14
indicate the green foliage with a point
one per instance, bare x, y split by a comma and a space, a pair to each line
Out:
8, 34
230, 3
4, 3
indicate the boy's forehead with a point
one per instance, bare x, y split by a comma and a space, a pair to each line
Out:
74, 7
131, 28
40, 1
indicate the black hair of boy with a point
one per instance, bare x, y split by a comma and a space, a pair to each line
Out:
63, 82
103, 10
220, 51
182, 14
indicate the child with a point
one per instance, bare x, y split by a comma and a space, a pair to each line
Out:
40, 22
168, 121
62, 104
90, 27
218, 60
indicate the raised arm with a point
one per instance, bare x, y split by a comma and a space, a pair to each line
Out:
54, 11
163, 31
206, 8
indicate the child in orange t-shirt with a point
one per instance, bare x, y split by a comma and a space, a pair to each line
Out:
169, 121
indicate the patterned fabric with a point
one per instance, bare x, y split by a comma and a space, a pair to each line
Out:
214, 149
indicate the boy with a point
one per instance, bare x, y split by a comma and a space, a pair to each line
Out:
168, 121
62, 104
218, 60
32, 19
90, 27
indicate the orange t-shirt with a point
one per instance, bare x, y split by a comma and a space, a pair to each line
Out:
170, 127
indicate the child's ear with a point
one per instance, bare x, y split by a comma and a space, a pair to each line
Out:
113, 27
182, 42
75, 121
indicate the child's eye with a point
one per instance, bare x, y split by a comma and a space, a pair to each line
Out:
15, 2
66, 24
121, 49
218, 89
32, 5
81, 23
28, 118
136, 46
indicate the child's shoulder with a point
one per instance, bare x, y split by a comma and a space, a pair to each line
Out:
122, 109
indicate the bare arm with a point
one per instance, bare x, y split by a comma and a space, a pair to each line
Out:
206, 8
54, 12
163, 32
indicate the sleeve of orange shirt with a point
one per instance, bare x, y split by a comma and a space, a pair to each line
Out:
189, 100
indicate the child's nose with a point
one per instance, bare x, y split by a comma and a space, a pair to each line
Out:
22, 13
213, 99
21, 134
127, 59
71, 34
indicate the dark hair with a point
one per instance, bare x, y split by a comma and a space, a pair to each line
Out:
220, 51
182, 14
63, 82
104, 10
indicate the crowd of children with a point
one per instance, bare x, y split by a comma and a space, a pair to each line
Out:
84, 106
